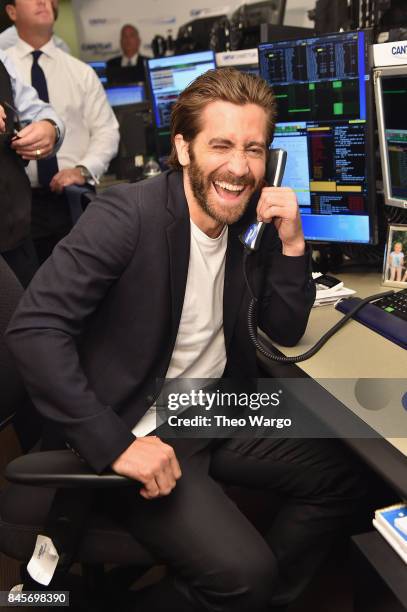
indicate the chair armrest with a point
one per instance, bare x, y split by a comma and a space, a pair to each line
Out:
60, 469
77, 196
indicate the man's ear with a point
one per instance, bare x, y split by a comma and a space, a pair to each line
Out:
11, 11
182, 147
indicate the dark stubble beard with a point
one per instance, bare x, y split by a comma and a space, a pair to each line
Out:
200, 188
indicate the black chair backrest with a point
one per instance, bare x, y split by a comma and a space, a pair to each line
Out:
15, 405
11, 389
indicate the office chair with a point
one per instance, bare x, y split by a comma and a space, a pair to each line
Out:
26, 502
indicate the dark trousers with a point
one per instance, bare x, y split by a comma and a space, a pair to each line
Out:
50, 221
217, 560
23, 261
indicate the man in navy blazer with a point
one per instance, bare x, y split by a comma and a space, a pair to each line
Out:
149, 285
128, 67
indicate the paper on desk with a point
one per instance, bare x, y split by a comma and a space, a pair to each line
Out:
330, 296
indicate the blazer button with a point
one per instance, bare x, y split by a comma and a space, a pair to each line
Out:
150, 399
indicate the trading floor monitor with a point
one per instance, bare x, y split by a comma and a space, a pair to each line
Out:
167, 78
324, 97
391, 100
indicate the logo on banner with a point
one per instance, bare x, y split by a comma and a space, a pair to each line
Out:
96, 47
102, 21
168, 20
399, 50
208, 12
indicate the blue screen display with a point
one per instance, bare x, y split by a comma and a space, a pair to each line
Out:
321, 85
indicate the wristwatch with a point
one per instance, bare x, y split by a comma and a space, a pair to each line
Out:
57, 130
85, 173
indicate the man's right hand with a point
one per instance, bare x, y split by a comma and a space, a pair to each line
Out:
152, 462
2, 119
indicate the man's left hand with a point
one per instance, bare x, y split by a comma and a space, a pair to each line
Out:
279, 204
35, 141
64, 178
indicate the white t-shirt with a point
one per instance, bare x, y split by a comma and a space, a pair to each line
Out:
199, 350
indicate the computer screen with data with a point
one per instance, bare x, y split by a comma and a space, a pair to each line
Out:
391, 100
324, 98
168, 77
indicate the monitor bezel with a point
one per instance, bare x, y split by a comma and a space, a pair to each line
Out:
378, 74
371, 202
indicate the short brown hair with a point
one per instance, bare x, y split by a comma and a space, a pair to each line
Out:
227, 84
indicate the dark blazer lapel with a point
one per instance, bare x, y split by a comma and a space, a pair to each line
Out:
178, 240
234, 281
234, 287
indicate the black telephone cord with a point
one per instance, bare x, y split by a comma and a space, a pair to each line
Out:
252, 326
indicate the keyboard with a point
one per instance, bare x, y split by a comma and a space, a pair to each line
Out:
395, 304
387, 316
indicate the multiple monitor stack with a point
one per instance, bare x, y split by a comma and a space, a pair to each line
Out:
324, 92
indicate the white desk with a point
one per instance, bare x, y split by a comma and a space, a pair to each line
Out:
351, 356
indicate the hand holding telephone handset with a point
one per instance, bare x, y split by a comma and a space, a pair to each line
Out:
274, 175
251, 239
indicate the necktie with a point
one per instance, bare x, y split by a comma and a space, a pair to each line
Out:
129, 63
47, 168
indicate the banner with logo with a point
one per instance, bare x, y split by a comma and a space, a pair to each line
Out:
390, 54
99, 21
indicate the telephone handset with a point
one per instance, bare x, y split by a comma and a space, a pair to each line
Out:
274, 175
251, 240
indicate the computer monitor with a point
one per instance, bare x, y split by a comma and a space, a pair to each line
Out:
246, 60
167, 78
125, 95
324, 97
100, 69
391, 97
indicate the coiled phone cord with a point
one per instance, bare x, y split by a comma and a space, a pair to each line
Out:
252, 327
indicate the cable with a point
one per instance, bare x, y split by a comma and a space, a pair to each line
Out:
252, 327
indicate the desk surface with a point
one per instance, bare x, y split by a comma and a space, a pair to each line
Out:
356, 353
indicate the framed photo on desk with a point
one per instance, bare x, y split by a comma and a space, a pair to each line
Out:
395, 256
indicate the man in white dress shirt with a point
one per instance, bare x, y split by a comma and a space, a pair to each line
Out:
128, 67
92, 132
9, 37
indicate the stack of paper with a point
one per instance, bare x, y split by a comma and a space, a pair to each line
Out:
391, 522
329, 296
